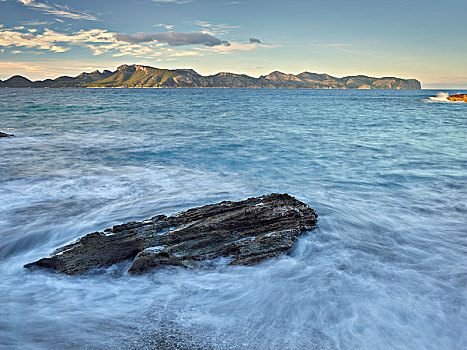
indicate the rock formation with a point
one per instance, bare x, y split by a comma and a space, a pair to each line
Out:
2, 134
458, 98
244, 233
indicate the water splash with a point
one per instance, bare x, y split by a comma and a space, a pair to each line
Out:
440, 97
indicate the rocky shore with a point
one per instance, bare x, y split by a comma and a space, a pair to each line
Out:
458, 98
2, 134
240, 233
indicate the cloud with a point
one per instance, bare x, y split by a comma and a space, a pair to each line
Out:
60, 11
97, 40
49, 40
337, 45
234, 46
215, 29
172, 1
173, 53
166, 26
173, 38
35, 23
249, 68
100, 41
254, 40
17, 38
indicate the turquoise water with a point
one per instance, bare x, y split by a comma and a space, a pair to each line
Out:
387, 173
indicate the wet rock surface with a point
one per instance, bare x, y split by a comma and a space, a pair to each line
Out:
2, 134
458, 98
242, 233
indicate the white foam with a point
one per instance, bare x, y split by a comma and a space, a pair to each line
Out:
441, 97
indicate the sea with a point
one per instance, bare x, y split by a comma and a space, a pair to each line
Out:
386, 171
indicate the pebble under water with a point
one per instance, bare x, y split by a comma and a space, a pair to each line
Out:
386, 267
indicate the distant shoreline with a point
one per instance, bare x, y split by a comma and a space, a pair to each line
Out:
138, 76
204, 88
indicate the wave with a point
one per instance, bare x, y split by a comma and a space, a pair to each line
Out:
440, 97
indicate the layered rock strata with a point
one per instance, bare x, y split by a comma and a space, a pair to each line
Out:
244, 233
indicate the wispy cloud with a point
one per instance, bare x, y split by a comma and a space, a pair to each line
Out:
248, 68
234, 46
215, 29
172, 1
56, 10
166, 26
173, 38
337, 45
174, 53
35, 23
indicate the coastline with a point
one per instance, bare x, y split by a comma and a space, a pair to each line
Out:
201, 87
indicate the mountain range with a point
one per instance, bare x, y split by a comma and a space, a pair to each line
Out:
138, 76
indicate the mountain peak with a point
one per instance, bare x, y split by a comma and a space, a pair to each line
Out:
276, 75
18, 78
17, 81
124, 67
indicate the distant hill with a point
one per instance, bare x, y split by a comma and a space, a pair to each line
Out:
137, 76
17, 81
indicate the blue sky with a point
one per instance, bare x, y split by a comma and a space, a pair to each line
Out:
409, 39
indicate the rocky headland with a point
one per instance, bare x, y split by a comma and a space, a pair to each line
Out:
138, 76
242, 233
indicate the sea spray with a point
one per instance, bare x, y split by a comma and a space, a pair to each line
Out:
441, 97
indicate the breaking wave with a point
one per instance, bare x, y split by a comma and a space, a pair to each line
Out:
440, 97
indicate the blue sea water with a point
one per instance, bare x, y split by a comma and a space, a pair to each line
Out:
386, 268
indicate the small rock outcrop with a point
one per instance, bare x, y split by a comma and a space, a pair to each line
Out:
2, 134
458, 98
245, 233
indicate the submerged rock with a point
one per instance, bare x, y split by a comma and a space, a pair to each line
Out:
2, 134
458, 98
245, 232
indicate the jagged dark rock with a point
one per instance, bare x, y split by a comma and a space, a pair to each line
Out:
245, 233
458, 98
2, 134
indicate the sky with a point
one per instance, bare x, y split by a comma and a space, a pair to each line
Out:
418, 39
